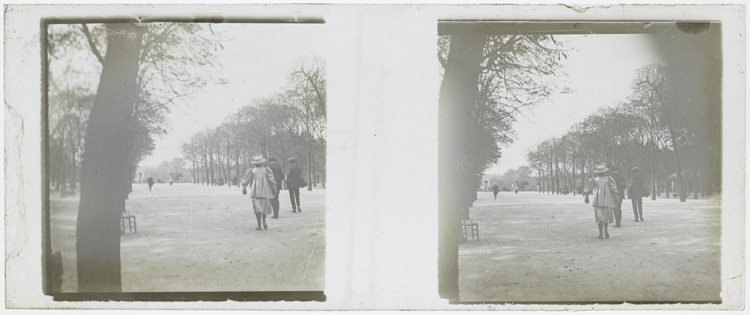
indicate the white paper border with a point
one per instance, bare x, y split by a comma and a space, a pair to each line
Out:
382, 120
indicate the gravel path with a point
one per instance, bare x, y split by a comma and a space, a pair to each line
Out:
199, 238
543, 248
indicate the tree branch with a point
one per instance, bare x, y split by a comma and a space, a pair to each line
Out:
92, 44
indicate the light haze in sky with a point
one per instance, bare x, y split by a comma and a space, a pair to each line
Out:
600, 70
257, 58
255, 63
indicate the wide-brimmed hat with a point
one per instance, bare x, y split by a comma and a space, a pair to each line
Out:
258, 159
600, 169
635, 170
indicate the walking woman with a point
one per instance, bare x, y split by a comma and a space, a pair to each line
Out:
605, 199
262, 190
636, 191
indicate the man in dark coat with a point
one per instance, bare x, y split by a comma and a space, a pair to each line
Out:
495, 190
278, 175
150, 182
635, 191
620, 183
293, 184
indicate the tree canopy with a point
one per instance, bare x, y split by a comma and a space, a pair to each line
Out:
171, 60
288, 124
110, 87
643, 131
516, 73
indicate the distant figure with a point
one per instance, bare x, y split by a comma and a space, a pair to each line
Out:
620, 183
262, 190
170, 182
636, 191
278, 176
150, 182
605, 199
294, 182
515, 184
495, 190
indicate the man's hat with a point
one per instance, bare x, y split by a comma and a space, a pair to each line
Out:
272, 159
635, 170
292, 160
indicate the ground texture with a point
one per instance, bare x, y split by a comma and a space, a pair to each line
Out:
199, 238
543, 248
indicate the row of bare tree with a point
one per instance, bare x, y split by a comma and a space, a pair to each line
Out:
290, 124
649, 130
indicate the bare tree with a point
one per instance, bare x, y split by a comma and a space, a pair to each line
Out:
651, 87
139, 70
309, 93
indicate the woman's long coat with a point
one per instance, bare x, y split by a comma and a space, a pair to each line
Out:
605, 192
261, 181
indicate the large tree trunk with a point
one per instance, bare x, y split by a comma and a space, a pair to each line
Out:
63, 166
309, 165
73, 168
552, 178
540, 178
238, 170
323, 163
695, 186
653, 174
573, 177
128, 179
566, 176
205, 167
212, 179
583, 174
220, 167
678, 165
458, 94
105, 157
195, 173
667, 182
557, 177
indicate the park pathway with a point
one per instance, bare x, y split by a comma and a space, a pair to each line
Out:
543, 248
203, 238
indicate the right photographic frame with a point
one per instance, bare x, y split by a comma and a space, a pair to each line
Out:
580, 162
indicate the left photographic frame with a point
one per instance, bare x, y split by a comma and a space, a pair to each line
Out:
184, 159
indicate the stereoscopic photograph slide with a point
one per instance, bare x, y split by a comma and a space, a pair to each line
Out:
374, 157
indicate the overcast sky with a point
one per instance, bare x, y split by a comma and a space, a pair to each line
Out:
255, 63
599, 72
257, 58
